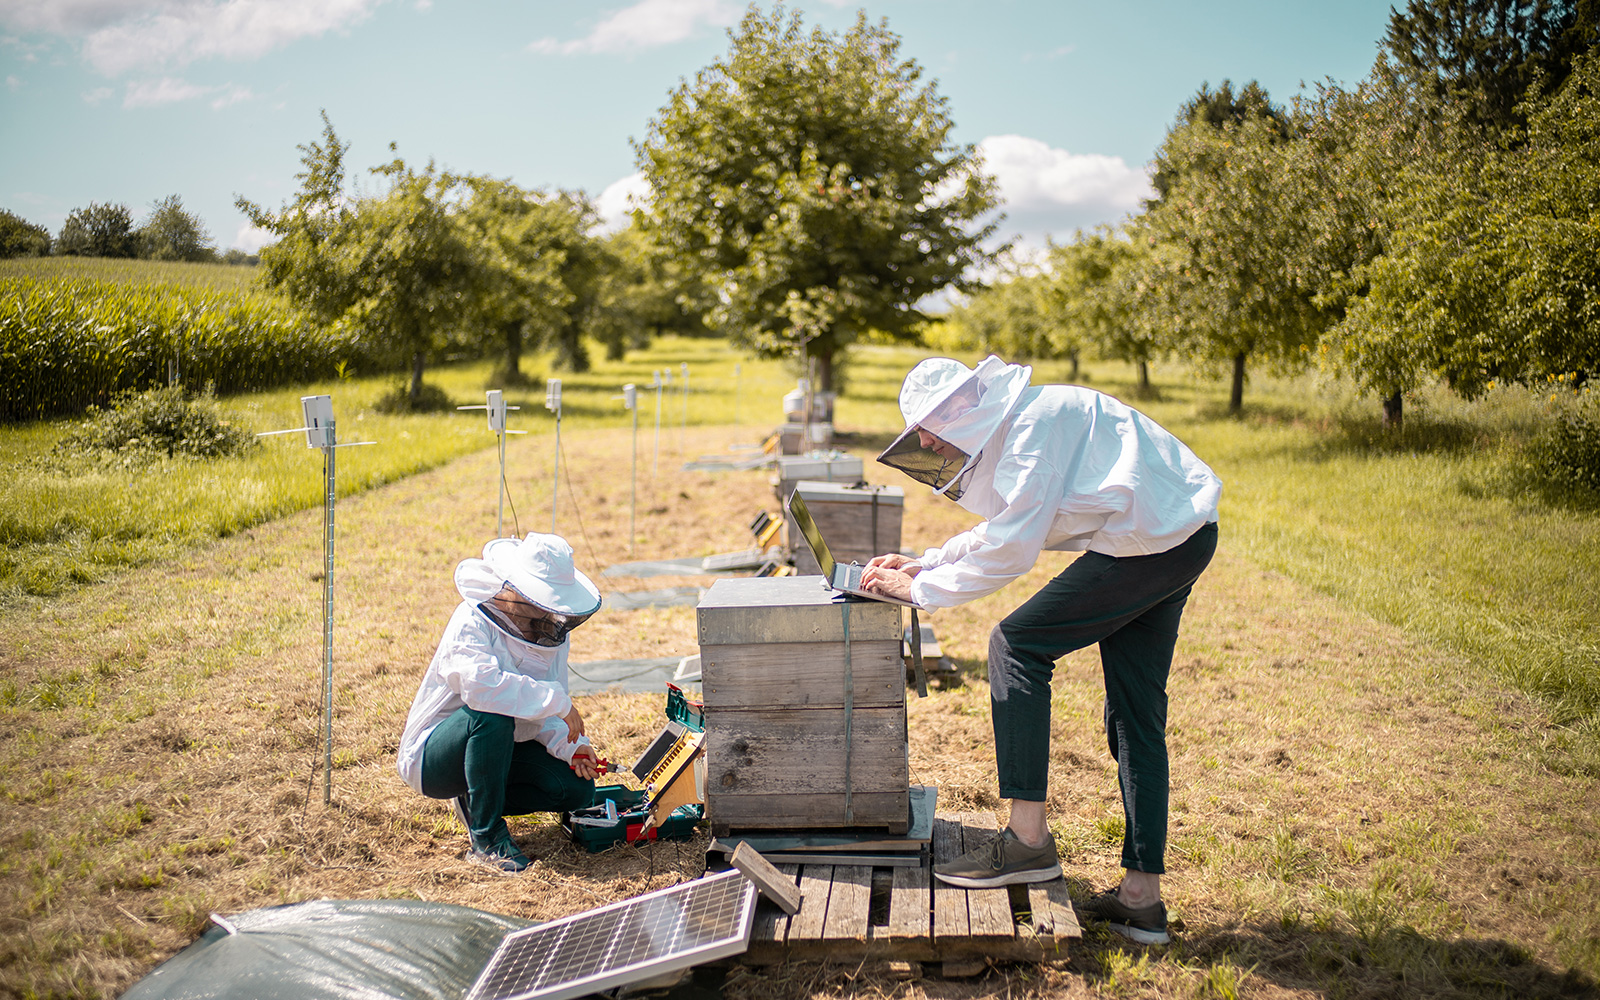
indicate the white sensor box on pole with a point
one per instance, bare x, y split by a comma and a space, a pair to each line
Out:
318, 411
497, 411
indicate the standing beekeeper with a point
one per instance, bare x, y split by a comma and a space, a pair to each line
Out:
492, 727
1062, 468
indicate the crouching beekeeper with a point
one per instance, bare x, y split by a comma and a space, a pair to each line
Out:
492, 727
1063, 468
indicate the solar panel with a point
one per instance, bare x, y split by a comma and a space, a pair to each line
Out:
636, 939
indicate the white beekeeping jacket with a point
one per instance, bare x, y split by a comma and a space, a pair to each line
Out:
1063, 468
480, 665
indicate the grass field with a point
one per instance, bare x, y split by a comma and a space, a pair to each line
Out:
1381, 733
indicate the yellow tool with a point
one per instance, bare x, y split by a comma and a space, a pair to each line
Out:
679, 779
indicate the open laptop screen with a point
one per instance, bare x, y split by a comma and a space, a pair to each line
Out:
808, 528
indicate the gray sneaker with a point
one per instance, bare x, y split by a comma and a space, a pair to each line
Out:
1005, 860
1141, 924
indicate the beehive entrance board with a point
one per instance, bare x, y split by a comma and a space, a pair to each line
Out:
859, 522
805, 708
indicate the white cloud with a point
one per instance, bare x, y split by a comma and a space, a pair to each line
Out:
618, 199
251, 240
1051, 192
123, 35
167, 90
231, 94
14, 82
646, 24
97, 95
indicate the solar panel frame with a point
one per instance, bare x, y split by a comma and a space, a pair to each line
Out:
672, 929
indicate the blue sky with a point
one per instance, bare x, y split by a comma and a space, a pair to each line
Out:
133, 100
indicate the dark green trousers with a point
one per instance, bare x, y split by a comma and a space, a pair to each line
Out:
475, 754
1131, 607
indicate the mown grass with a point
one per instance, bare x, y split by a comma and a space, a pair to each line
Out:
1354, 812
64, 523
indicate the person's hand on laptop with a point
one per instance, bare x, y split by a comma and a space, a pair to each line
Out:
890, 575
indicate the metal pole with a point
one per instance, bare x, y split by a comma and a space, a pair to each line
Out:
555, 480
685, 430
500, 490
327, 615
633, 499
655, 469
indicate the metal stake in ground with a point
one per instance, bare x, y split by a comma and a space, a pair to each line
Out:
655, 469
630, 400
685, 428
319, 431
552, 401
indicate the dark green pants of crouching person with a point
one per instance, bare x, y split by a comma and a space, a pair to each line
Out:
474, 754
1131, 606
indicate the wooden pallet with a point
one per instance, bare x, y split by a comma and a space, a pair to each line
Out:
852, 913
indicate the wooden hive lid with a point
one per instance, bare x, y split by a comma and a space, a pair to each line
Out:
788, 609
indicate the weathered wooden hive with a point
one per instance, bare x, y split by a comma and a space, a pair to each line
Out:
832, 468
857, 521
805, 708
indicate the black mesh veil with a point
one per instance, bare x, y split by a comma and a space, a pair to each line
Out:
907, 454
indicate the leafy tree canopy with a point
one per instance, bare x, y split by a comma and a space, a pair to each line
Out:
174, 233
811, 179
98, 231
21, 238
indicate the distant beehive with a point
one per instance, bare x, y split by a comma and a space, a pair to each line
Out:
803, 728
857, 522
829, 468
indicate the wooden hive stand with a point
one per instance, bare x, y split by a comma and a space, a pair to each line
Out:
852, 913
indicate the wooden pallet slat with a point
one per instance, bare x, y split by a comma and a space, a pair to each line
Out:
910, 906
949, 903
989, 910
771, 924
849, 905
1052, 912
816, 884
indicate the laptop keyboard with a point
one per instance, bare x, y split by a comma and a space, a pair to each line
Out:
848, 577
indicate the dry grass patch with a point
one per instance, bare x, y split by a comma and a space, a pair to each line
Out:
1353, 813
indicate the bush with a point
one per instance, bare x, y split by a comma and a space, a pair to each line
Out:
160, 421
1566, 453
431, 399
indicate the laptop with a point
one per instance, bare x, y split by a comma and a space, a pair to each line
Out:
845, 579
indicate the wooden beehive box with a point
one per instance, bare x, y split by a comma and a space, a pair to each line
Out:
857, 522
798, 734
793, 469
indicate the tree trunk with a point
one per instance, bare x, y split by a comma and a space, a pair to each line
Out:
416, 377
824, 371
1236, 396
1393, 410
1072, 373
1144, 378
513, 351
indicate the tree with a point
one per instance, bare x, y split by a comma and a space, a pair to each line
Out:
812, 181
1491, 266
1488, 55
523, 240
394, 266
98, 231
1091, 298
173, 233
1232, 231
647, 292
21, 238
1008, 318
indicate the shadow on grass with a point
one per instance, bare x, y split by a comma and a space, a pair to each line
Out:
1393, 962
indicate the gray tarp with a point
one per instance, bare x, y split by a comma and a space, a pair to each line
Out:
335, 949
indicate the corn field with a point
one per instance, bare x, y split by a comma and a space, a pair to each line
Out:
69, 341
